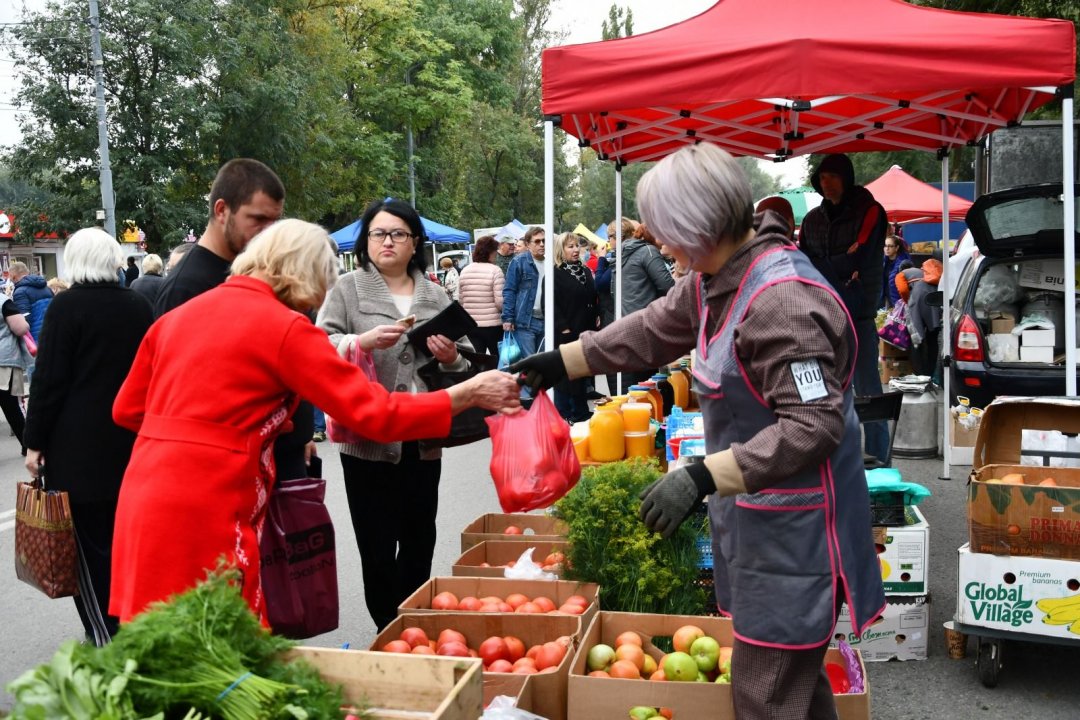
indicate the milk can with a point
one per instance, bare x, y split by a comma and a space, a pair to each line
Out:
917, 434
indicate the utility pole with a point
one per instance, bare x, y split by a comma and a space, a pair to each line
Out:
105, 170
409, 140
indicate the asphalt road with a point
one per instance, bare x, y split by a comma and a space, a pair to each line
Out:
1038, 680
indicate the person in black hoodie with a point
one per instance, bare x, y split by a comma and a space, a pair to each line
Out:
844, 238
576, 311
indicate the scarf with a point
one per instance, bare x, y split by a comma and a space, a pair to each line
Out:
577, 270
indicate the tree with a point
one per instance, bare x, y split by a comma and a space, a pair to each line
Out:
619, 23
762, 184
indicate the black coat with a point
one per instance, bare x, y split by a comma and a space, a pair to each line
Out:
86, 348
576, 308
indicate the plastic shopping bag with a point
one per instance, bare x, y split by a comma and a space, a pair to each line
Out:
335, 430
509, 350
298, 560
533, 462
895, 330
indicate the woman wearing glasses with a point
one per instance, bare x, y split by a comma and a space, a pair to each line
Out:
392, 488
895, 254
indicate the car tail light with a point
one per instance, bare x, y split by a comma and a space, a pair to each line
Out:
969, 341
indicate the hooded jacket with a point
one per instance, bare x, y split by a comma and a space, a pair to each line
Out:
829, 230
32, 296
645, 276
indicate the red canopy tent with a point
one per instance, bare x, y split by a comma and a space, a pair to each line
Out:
788, 77
907, 199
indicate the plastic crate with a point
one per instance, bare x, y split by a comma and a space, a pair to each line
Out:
705, 554
705, 580
888, 509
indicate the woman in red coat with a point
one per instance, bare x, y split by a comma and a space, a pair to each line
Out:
212, 385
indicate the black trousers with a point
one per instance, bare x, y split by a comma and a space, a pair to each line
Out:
487, 339
9, 405
94, 522
393, 509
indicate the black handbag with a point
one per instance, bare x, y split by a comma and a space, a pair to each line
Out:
467, 426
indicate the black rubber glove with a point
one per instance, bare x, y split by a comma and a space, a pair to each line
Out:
666, 503
542, 370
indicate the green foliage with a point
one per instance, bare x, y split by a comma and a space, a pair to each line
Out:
619, 23
637, 570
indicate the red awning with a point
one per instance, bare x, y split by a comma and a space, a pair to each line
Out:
790, 77
908, 199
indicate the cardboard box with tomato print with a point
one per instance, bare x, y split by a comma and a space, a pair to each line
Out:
548, 687
609, 698
517, 593
490, 558
522, 527
395, 686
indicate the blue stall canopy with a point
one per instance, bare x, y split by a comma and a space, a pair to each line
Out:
436, 232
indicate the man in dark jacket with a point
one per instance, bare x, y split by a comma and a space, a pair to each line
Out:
844, 238
31, 295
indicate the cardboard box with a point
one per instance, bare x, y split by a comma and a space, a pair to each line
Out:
393, 685
510, 685
904, 554
1018, 594
889, 368
887, 350
548, 689
1003, 347
1037, 338
496, 553
901, 633
1001, 322
1029, 519
536, 528
1036, 354
1048, 274
611, 698
557, 590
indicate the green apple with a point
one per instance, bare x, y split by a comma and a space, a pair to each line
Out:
724, 679
706, 653
600, 657
680, 667
642, 712
702, 677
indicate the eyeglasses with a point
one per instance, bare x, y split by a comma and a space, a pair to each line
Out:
889, 246
398, 236
537, 241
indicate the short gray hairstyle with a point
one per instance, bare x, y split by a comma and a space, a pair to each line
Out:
151, 264
695, 198
92, 255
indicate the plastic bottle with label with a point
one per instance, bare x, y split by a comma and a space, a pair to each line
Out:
680, 388
650, 386
606, 434
667, 391
640, 393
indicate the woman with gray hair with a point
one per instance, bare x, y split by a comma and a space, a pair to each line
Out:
775, 353
149, 283
90, 337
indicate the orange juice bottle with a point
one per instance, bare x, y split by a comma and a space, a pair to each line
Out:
640, 393
636, 416
650, 386
606, 443
667, 392
680, 388
639, 444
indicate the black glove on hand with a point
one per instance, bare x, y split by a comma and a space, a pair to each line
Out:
666, 503
542, 370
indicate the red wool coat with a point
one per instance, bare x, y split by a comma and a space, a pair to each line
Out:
208, 391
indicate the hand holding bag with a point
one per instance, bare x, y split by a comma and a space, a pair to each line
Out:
46, 555
299, 560
509, 350
467, 426
335, 430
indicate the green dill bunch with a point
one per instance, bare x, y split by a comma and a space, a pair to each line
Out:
637, 570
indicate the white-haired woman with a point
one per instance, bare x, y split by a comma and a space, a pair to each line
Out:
87, 344
200, 474
775, 357
149, 283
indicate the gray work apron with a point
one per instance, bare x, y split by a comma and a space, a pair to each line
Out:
783, 556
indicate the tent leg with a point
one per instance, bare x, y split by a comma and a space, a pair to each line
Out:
549, 226
1068, 175
946, 336
618, 261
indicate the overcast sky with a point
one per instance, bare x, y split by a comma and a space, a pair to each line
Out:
581, 19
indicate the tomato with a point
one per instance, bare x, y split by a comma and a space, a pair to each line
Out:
529, 607
516, 599
423, 650
631, 652
492, 649
599, 673
444, 601
545, 604
469, 604
556, 557
500, 666
453, 649
571, 609
630, 637
512, 530
397, 646
414, 636
447, 635
624, 669
578, 600
550, 655
524, 670
515, 648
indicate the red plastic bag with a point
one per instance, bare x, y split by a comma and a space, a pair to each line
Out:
335, 430
533, 462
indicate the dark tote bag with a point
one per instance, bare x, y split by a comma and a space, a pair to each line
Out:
299, 562
46, 554
467, 426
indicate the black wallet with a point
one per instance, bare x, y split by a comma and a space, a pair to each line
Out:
453, 322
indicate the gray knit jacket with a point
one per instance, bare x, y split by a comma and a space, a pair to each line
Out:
361, 301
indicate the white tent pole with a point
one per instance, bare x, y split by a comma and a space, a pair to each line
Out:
549, 223
946, 338
618, 259
1068, 174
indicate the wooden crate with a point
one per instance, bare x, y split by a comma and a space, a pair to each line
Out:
397, 686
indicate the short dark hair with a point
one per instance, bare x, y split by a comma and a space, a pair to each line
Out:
483, 249
399, 209
531, 233
239, 179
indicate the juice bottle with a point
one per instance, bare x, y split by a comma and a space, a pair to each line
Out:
680, 389
640, 393
639, 444
667, 392
636, 416
606, 443
650, 386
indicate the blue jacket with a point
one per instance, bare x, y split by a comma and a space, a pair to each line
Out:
29, 290
519, 290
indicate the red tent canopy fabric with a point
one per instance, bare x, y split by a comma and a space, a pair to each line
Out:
790, 77
907, 199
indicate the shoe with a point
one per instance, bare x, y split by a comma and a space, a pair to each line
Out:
319, 436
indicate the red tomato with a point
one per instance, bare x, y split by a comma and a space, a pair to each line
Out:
525, 662
516, 599
423, 650
577, 600
571, 608
501, 666
469, 604
453, 649
545, 604
515, 648
492, 649
447, 635
529, 607
550, 655
414, 636
397, 646
512, 530
444, 601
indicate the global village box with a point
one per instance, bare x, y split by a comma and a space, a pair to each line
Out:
901, 633
599, 698
1037, 596
1041, 516
492, 526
